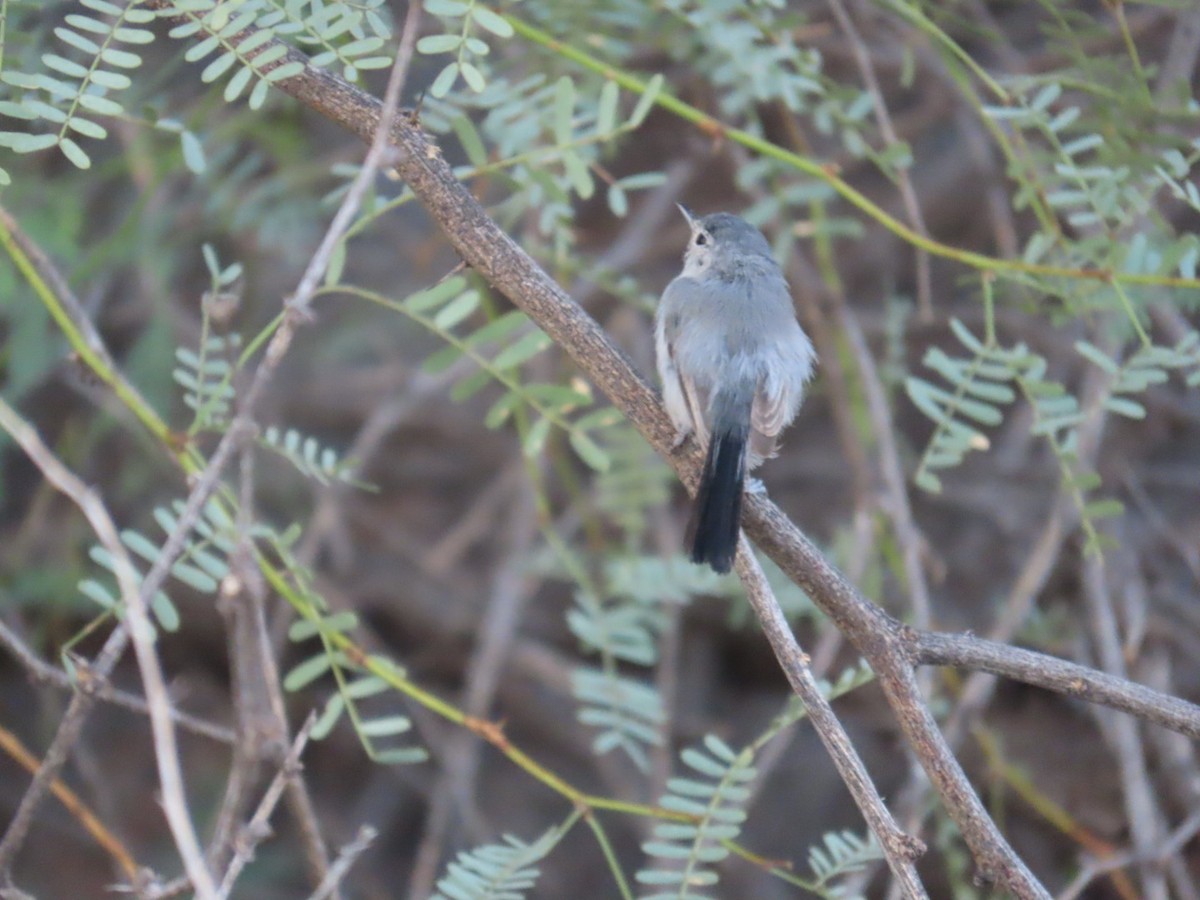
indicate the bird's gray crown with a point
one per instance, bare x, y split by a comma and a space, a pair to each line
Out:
733, 232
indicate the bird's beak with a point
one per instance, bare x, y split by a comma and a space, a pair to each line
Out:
687, 215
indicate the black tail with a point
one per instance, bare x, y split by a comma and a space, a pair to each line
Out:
713, 528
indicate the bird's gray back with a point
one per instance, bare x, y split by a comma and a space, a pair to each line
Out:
718, 330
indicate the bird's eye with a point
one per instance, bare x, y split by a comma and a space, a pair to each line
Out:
701, 239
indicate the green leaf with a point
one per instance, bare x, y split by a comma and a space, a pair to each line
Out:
642, 180
85, 23
30, 143
470, 385
337, 263
449, 8
386, 727
967, 338
498, 329
577, 171
340, 622
562, 397
436, 295
535, 440
63, 66
1097, 356
133, 35
660, 876
140, 545
600, 418
98, 593
87, 128
1046, 96
472, 143
473, 77
287, 70
720, 749
15, 111
102, 106
439, 43
333, 710
444, 81
361, 47
664, 850
218, 67
457, 310
193, 152
589, 451
485, 18
165, 612
564, 109
522, 350
78, 41
258, 96
606, 111
122, 59
1104, 509
476, 46
618, 201
646, 101
46, 111
307, 672
439, 362
367, 686
1123, 406
928, 481
702, 764
194, 577
303, 629
400, 756
499, 412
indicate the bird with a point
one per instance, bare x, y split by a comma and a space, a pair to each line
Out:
734, 363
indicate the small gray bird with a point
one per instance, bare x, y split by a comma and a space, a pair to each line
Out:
733, 362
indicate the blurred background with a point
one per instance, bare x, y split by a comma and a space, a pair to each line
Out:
504, 537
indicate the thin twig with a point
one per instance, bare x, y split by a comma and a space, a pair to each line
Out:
381, 146
1137, 791
258, 828
1039, 564
964, 651
897, 506
44, 672
166, 754
899, 848
346, 857
912, 206
64, 740
91, 823
1094, 868
254, 680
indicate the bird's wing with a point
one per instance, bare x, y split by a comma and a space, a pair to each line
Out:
770, 411
685, 402
697, 402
